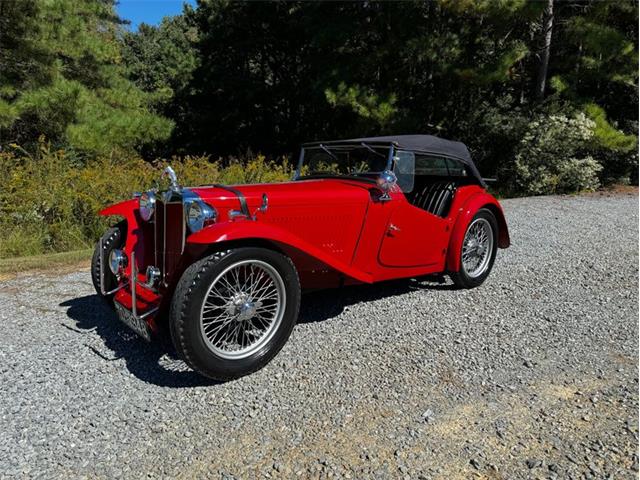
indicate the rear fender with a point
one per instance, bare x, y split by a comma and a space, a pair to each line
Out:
466, 213
249, 230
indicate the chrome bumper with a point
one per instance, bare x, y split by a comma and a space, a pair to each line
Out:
125, 283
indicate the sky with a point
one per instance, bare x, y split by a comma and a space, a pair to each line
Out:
149, 11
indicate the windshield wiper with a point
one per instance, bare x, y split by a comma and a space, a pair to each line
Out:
372, 150
328, 152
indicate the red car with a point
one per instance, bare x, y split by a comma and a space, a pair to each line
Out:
224, 267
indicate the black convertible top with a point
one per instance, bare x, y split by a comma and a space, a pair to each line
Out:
415, 143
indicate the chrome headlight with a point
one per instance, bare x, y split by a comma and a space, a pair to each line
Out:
198, 214
117, 262
147, 205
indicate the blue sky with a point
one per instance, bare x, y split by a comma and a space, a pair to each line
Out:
149, 11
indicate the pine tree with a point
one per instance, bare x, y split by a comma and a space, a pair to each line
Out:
62, 76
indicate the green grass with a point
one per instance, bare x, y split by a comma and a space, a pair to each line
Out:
43, 262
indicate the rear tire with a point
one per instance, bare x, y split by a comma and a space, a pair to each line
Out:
482, 225
233, 311
113, 238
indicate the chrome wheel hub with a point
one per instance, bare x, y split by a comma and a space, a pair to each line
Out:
242, 309
477, 248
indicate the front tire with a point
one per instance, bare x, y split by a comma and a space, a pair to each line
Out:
113, 238
478, 250
233, 311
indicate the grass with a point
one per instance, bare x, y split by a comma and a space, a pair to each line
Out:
49, 261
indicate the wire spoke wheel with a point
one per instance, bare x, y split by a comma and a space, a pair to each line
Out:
477, 248
242, 309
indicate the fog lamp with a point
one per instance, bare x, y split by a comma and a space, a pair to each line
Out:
117, 261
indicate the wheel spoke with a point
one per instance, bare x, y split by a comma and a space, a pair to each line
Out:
477, 247
215, 319
242, 308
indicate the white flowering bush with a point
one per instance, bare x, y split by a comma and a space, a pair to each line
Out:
552, 156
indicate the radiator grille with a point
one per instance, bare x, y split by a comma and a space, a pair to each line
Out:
169, 237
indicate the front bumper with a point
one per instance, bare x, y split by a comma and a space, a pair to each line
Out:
141, 302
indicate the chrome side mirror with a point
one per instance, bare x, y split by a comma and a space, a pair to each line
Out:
386, 181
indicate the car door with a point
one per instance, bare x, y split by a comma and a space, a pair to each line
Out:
413, 238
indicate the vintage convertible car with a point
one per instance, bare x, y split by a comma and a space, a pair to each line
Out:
223, 267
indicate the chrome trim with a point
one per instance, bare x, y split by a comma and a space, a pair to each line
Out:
386, 182
265, 204
173, 178
155, 237
207, 213
153, 275
184, 227
150, 200
233, 214
134, 282
115, 289
121, 259
164, 245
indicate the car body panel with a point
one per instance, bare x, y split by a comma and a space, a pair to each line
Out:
247, 230
340, 224
477, 199
128, 210
326, 216
335, 230
413, 238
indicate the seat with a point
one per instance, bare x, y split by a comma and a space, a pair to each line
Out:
435, 197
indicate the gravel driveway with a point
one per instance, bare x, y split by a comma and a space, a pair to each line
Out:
532, 375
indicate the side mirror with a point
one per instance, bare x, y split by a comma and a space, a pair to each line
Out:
386, 181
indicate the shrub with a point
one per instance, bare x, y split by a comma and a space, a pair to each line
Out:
49, 201
553, 156
615, 150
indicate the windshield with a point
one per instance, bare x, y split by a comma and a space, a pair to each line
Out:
351, 160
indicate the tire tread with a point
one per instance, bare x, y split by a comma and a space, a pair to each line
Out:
181, 301
111, 237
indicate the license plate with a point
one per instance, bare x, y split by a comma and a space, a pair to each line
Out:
137, 325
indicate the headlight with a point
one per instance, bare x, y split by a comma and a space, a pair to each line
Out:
198, 214
117, 261
147, 205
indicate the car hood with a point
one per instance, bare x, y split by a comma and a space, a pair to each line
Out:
288, 194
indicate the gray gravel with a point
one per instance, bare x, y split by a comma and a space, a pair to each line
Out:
533, 375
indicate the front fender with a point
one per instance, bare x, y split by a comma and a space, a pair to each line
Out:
247, 229
124, 209
466, 213
127, 209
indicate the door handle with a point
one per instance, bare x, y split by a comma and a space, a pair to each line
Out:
393, 228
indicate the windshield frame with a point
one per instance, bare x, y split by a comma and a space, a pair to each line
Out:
328, 146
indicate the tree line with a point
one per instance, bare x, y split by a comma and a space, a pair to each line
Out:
544, 93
